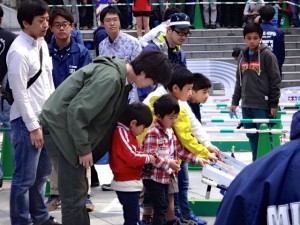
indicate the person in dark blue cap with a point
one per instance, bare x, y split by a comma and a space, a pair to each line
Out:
267, 191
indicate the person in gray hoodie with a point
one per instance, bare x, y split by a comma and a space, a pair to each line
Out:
257, 82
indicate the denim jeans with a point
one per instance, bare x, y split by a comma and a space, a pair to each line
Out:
249, 113
72, 186
32, 168
4, 120
159, 200
182, 207
131, 208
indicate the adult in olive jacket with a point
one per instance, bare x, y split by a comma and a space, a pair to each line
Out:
81, 115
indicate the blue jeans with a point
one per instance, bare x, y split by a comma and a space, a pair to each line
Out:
32, 168
182, 207
4, 119
131, 208
249, 113
159, 200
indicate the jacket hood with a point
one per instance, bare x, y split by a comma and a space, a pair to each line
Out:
295, 126
98, 28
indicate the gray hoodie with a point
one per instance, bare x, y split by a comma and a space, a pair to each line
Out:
257, 80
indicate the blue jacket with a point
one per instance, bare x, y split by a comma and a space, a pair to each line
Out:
270, 183
99, 35
76, 57
273, 37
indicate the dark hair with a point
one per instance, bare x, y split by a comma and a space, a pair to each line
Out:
201, 82
253, 27
60, 11
166, 105
155, 65
266, 13
1, 11
109, 9
139, 112
181, 76
236, 52
30, 9
170, 10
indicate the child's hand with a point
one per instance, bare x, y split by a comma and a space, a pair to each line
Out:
152, 159
232, 109
203, 162
214, 149
174, 165
213, 157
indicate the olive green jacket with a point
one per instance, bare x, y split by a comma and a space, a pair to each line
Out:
83, 110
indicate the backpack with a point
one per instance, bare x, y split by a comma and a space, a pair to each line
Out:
6, 92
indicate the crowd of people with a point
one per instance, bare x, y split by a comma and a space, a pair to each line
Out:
136, 99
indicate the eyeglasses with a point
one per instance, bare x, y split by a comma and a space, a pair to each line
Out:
63, 25
181, 33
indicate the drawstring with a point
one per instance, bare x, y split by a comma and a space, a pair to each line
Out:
259, 62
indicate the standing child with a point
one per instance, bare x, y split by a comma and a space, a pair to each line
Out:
161, 141
127, 160
200, 93
257, 82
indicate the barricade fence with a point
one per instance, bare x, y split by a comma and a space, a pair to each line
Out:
179, 3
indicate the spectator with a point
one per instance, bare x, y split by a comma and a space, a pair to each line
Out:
273, 37
284, 10
6, 38
161, 28
210, 14
257, 82
295, 9
32, 166
98, 36
142, 11
251, 10
86, 15
76, 119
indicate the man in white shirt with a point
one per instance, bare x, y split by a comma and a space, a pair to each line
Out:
28, 55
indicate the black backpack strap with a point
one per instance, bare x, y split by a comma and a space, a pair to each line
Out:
33, 79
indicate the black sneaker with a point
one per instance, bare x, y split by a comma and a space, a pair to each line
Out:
1, 184
106, 187
50, 221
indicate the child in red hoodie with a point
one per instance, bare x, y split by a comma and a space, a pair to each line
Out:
127, 160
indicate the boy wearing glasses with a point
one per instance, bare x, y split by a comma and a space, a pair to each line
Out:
67, 57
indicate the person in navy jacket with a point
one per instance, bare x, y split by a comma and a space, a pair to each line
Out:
67, 55
267, 191
273, 37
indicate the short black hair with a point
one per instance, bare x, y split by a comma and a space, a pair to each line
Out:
253, 27
1, 11
236, 52
30, 9
181, 76
60, 11
139, 112
155, 65
169, 11
201, 82
267, 13
166, 105
109, 9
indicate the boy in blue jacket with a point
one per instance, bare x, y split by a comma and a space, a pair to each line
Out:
273, 37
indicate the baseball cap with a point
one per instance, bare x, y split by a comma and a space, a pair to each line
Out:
179, 20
